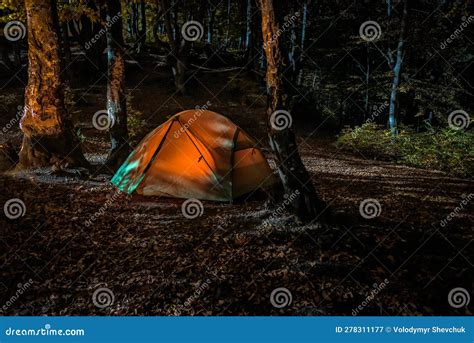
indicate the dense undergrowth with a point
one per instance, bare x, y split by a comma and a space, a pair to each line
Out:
444, 149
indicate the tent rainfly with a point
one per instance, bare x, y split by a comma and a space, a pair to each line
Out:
195, 154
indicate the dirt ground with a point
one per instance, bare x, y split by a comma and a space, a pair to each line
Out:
78, 235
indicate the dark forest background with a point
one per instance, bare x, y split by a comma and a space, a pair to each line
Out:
379, 95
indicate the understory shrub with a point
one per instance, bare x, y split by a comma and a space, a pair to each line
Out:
443, 149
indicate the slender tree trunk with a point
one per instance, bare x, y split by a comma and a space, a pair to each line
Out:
211, 12
227, 32
367, 83
49, 138
178, 60
389, 8
304, 26
248, 27
116, 100
143, 24
396, 69
295, 178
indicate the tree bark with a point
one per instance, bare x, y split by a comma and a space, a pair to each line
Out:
295, 178
143, 24
49, 138
116, 100
211, 15
304, 26
396, 69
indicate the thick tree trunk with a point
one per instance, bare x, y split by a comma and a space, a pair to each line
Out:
49, 138
396, 69
296, 179
116, 100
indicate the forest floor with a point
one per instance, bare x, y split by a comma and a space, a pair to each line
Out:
78, 235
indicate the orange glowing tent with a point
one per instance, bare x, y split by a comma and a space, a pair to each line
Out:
195, 154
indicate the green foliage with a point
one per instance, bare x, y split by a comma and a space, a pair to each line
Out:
12, 10
135, 123
444, 149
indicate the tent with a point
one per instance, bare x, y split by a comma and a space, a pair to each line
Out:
195, 154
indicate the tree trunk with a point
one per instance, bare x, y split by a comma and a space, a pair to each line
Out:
143, 24
49, 138
116, 101
396, 69
211, 15
304, 26
227, 32
248, 26
295, 178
